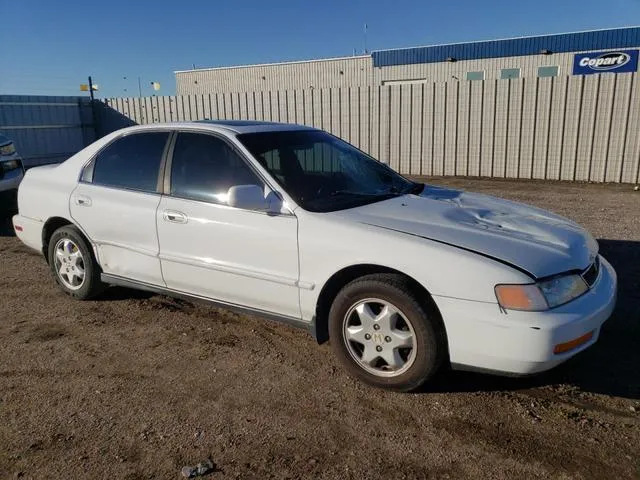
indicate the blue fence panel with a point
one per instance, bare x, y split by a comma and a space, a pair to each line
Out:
46, 129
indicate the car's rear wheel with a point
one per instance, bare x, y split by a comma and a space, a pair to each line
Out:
385, 335
73, 265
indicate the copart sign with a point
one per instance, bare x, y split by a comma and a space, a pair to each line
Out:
618, 61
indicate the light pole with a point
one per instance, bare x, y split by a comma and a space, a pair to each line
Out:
91, 88
139, 86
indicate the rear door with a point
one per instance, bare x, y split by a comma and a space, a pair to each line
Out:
207, 248
115, 204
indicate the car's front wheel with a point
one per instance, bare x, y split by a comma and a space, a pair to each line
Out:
385, 335
73, 264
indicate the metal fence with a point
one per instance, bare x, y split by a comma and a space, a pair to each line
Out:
46, 129
558, 128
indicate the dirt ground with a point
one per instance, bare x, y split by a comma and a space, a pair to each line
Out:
135, 386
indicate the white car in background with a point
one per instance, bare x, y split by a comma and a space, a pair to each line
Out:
292, 223
11, 172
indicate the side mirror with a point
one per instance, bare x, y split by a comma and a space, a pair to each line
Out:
275, 202
247, 197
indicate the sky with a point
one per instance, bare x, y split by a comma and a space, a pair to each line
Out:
49, 47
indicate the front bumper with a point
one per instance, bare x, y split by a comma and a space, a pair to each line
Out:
482, 337
9, 181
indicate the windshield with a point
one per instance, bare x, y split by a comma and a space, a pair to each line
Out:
323, 173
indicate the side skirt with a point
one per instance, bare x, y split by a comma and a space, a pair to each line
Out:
136, 285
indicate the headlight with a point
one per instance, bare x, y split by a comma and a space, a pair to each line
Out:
542, 295
10, 165
8, 149
560, 290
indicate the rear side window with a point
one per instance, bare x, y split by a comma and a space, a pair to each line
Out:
204, 167
131, 162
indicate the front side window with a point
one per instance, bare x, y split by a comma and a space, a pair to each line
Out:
131, 162
204, 167
323, 173
507, 73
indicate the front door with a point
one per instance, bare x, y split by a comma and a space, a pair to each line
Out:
242, 257
115, 204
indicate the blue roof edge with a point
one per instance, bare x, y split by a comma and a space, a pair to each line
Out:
556, 43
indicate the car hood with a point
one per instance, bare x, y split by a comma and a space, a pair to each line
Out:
537, 241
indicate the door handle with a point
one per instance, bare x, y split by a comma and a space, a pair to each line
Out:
174, 217
83, 201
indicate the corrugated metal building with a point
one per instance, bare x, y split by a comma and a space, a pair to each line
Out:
540, 56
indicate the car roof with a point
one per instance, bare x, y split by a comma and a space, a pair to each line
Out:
251, 126
235, 126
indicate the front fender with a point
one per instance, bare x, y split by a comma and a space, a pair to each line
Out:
328, 245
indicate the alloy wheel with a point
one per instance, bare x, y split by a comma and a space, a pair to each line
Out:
69, 264
379, 337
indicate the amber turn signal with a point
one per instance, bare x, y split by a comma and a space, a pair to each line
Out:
575, 343
521, 297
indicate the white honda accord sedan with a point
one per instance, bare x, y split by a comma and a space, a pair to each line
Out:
292, 223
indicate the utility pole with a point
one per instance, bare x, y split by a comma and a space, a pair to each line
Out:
365, 38
94, 117
139, 88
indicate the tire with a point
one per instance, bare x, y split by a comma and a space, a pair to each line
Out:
73, 264
407, 320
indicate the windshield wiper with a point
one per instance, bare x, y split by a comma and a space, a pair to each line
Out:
415, 189
336, 193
